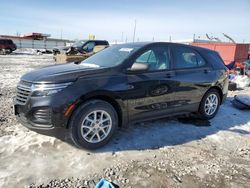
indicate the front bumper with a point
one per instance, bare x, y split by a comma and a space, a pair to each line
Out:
30, 119
58, 132
31, 125
42, 113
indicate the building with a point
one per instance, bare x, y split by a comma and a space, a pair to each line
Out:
37, 41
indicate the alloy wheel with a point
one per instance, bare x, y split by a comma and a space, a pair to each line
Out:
211, 104
96, 126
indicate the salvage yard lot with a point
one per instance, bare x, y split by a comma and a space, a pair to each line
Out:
170, 152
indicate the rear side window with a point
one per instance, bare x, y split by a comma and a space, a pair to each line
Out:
6, 42
2, 41
215, 59
186, 58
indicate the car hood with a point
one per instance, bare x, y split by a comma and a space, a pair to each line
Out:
60, 73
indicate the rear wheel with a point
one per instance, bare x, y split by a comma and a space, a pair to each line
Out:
93, 124
210, 104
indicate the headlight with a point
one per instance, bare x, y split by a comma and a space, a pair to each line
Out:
39, 90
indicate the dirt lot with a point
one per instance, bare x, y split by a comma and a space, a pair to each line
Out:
164, 153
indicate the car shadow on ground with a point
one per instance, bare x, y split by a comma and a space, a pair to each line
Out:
173, 131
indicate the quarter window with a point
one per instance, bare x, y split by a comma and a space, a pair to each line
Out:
187, 58
157, 58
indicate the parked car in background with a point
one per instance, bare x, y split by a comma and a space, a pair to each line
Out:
79, 51
81, 46
121, 84
7, 46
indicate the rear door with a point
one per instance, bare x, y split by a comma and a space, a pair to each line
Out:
194, 76
150, 93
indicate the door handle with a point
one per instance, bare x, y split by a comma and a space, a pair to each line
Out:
130, 86
169, 75
207, 71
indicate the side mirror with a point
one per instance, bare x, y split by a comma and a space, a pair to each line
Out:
138, 67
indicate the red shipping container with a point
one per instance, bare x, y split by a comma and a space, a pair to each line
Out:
228, 51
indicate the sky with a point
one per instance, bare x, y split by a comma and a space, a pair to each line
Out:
156, 20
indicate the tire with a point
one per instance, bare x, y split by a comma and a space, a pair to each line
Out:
204, 112
84, 127
3, 51
8, 51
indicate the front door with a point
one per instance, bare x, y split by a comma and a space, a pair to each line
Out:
150, 93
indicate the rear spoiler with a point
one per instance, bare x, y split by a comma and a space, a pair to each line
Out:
230, 66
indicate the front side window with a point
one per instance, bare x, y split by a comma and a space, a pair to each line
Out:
186, 58
157, 58
89, 47
9, 42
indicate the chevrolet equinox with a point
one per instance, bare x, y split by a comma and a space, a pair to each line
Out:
121, 84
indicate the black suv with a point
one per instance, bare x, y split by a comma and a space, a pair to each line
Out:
82, 46
121, 84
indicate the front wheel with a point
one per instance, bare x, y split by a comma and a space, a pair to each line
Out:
8, 51
93, 124
210, 104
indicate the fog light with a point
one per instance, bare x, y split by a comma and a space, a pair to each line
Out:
42, 116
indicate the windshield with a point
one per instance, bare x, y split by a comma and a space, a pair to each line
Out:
78, 43
110, 57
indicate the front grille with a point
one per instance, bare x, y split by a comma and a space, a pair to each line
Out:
23, 92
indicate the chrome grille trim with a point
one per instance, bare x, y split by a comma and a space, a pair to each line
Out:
23, 92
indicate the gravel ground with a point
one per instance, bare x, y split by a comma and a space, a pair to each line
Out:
171, 152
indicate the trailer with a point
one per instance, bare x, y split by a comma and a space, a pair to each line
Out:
228, 51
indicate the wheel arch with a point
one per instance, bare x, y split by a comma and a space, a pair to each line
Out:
107, 97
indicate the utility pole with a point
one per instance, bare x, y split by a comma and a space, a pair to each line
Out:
61, 34
134, 32
122, 37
